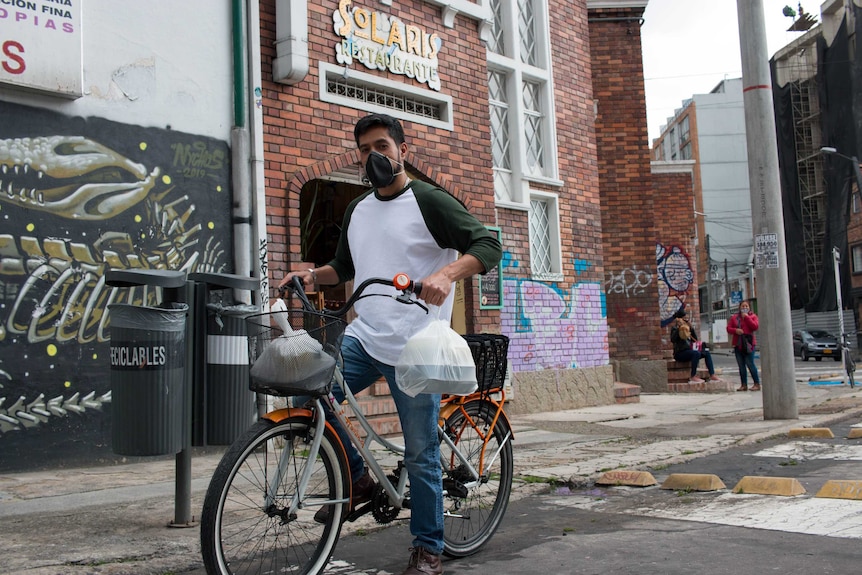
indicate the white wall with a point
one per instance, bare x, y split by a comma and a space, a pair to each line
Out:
156, 63
724, 176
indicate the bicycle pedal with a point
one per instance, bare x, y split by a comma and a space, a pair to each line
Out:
359, 512
454, 488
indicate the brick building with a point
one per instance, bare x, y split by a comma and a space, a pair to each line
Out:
531, 112
509, 121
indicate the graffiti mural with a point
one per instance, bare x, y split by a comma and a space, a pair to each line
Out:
550, 328
79, 196
675, 277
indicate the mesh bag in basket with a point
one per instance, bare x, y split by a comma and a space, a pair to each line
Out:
489, 352
293, 352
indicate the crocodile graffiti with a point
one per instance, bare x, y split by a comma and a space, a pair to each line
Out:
70, 177
77, 198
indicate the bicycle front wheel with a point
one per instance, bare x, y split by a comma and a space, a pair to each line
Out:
258, 517
474, 507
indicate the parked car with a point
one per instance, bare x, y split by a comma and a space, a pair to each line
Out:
817, 344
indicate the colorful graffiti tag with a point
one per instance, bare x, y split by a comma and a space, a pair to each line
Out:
79, 196
550, 328
675, 277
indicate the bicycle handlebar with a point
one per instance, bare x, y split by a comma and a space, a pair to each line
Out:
401, 282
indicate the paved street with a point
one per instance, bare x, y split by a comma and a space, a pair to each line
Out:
112, 519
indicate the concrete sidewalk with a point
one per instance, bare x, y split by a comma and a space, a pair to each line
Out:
114, 520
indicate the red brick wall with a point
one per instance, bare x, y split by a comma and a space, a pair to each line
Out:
625, 184
580, 217
675, 237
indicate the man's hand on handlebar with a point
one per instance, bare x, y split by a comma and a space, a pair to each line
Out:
305, 275
435, 289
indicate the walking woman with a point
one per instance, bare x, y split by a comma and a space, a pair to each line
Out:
742, 326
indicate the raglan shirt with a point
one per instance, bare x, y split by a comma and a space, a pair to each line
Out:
416, 231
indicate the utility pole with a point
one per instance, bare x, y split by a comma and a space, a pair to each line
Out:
708, 288
836, 261
775, 341
726, 288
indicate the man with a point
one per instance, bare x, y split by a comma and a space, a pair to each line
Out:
401, 225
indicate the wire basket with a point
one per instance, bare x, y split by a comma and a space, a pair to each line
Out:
489, 352
293, 352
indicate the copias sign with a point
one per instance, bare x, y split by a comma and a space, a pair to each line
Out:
12, 57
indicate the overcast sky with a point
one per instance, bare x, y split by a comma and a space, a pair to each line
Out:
689, 46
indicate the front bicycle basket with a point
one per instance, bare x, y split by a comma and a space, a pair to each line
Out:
293, 352
489, 352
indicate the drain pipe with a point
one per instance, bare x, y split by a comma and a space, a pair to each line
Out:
290, 65
255, 165
241, 216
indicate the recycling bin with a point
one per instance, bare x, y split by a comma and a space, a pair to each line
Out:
148, 356
225, 405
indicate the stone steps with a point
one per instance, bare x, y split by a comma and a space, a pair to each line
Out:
626, 393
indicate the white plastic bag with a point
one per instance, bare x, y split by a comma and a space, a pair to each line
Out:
293, 358
436, 360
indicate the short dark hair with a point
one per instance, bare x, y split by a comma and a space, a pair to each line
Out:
680, 313
392, 125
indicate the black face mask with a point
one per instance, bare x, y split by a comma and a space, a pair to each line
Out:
378, 169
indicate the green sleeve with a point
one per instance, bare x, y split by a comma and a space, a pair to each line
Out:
452, 226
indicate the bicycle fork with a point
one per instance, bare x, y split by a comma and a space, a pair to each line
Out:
285, 459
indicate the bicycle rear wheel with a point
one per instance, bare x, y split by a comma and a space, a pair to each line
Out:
246, 522
472, 514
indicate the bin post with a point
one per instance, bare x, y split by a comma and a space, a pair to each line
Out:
175, 290
224, 406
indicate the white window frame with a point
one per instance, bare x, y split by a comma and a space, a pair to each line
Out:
856, 258
517, 73
326, 70
554, 244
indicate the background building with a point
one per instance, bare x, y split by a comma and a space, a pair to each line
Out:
710, 130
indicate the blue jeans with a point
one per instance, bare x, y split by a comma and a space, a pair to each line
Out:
418, 417
743, 361
694, 356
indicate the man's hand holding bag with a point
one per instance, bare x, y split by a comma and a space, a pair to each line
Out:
436, 360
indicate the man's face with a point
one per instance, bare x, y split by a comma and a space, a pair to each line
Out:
377, 139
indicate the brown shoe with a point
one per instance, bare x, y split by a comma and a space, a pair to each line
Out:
742, 388
363, 491
755, 387
423, 562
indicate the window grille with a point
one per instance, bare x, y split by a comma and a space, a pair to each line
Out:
540, 237
379, 96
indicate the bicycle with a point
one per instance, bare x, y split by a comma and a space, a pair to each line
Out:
849, 362
258, 510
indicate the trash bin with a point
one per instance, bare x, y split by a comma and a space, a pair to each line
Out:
148, 356
223, 404
231, 406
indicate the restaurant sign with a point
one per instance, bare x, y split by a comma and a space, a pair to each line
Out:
383, 42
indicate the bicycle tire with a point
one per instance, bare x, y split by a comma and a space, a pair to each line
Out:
242, 533
469, 522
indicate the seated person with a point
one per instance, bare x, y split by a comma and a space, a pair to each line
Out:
687, 348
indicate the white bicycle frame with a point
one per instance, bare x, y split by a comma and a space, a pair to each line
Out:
396, 493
